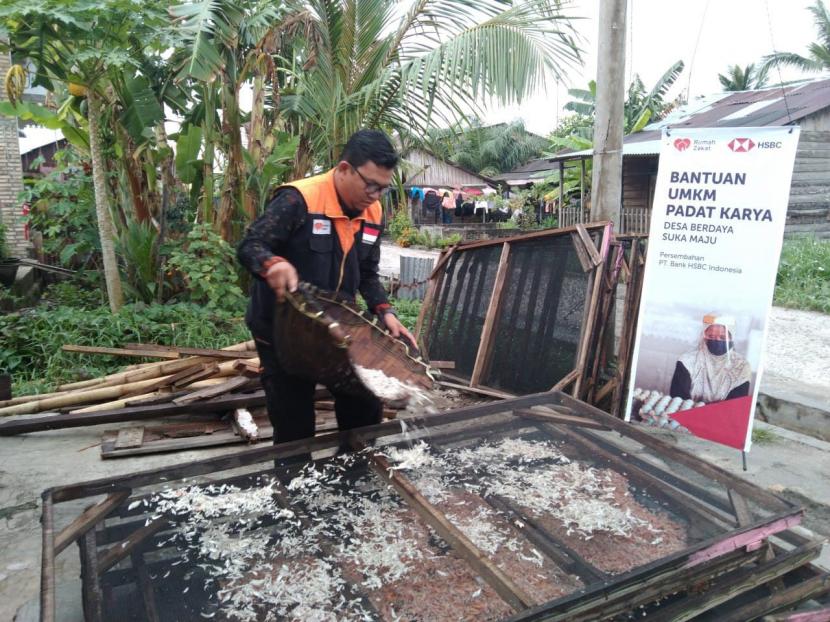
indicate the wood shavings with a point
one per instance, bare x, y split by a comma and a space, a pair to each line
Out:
416, 457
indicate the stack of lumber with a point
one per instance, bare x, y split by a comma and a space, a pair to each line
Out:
185, 375
197, 385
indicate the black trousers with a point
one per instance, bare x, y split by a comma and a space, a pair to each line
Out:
290, 401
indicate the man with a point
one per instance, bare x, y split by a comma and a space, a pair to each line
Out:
713, 371
324, 230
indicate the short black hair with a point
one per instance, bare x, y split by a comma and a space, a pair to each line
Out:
374, 145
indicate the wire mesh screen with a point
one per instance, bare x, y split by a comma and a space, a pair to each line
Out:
538, 328
458, 317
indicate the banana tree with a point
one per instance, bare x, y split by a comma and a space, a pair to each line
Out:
83, 43
369, 66
224, 45
640, 106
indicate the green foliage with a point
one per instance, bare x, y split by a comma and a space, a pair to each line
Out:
401, 221
803, 280
63, 210
31, 340
407, 311
488, 150
4, 250
82, 291
738, 78
136, 246
205, 263
763, 436
818, 52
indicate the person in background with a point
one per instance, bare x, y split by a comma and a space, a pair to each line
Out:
324, 230
447, 206
713, 371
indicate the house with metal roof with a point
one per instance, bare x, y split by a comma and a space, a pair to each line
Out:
805, 103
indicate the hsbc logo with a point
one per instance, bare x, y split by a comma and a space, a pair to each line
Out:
681, 144
741, 145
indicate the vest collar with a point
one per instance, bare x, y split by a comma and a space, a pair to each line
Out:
333, 209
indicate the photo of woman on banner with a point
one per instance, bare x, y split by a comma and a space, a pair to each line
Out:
713, 371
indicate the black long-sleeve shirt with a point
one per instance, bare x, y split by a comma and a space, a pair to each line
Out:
307, 240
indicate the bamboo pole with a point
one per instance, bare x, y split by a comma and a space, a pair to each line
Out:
77, 397
122, 402
243, 346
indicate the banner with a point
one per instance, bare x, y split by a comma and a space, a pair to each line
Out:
717, 224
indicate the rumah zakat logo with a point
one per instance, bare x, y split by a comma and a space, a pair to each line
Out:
741, 145
319, 224
681, 144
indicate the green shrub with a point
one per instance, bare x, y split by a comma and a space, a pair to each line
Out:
4, 251
206, 266
63, 211
803, 280
400, 224
407, 311
31, 340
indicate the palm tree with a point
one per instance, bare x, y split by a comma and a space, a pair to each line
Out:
744, 79
372, 67
488, 150
818, 53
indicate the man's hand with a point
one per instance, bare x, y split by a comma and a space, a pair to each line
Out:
282, 277
397, 329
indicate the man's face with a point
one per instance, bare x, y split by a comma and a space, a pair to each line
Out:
363, 185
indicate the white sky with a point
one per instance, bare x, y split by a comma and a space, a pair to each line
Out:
707, 35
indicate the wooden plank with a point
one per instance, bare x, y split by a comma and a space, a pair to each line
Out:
132, 413
479, 390
495, 577
87, 519
564, 556
148, 595
485, 345
47, 561
565, 382
442, 364
158, 354
551, 416
588, 327
206, 370
743, 515
737, 583
180, 350
214, 391
129, 437
93, 600
586, 240
121, 550
803, 591
581, 253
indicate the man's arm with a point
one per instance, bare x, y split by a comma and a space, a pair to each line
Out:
375, 296
260, 250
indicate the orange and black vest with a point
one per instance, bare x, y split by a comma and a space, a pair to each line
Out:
329, 249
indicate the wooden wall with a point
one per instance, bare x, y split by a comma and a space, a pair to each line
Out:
427, 170
809, 206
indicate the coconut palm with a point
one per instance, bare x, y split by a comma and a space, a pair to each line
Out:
748, 78
818, 53
368, 65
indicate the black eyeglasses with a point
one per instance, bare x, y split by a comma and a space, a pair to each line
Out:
372, 187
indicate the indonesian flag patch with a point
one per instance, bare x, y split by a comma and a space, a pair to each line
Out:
370, 234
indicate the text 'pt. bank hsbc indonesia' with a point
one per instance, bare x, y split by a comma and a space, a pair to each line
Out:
717, 224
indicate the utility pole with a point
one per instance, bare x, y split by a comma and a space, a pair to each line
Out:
606, 181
